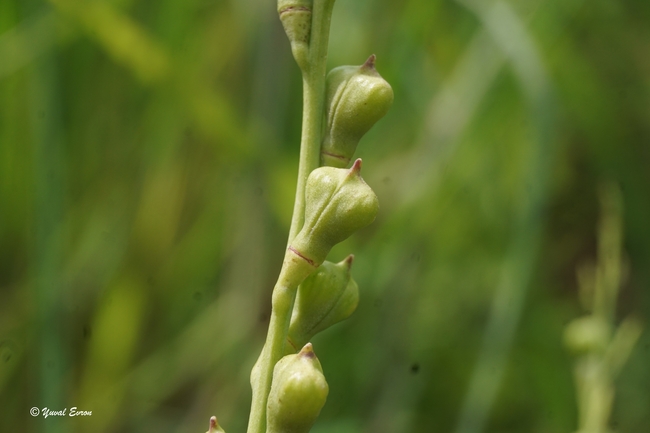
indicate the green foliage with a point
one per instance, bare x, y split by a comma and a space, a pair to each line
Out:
148, 159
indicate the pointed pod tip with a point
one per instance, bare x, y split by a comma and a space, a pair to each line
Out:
370, 63
356, 167
348, 261
214, 425
307, 351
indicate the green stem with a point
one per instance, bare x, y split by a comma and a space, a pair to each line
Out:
313, 81
294, 270
283, 300
284, 295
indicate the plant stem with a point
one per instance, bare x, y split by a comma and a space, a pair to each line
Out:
283, 300
284, 295
294, 270
313, 82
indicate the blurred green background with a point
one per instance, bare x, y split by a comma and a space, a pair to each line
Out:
148, 156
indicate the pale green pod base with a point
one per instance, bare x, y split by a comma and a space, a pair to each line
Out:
356, 98
297, 24
331, 160
326, 297
346, 305
296, 19
338, 203
337, 79
364, 100
298, 393
295, 268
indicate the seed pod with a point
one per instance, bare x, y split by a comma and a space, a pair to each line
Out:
296, 20
326, 297
587, 334
356, 98
338, 203
298, 393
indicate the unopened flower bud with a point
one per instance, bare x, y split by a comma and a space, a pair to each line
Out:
338, 203
296, 20
587, 334
298, 393
326, 297
356, 98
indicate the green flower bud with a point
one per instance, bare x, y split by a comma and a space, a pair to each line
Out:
214, 426
338, 203
326, 297
587, 334
298, 393
356, 98
296, 20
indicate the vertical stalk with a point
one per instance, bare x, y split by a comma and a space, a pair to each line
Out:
294, 271
309, 152
313, 79
313, 82
283, 298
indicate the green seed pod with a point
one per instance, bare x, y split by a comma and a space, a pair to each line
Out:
587, 334
338, 203
298, 393
296, 20
326, 297
214, 426
356, 98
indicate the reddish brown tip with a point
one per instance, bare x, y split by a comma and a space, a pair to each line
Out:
370, 63
348, 261
213, 424
307, 351
356, 167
